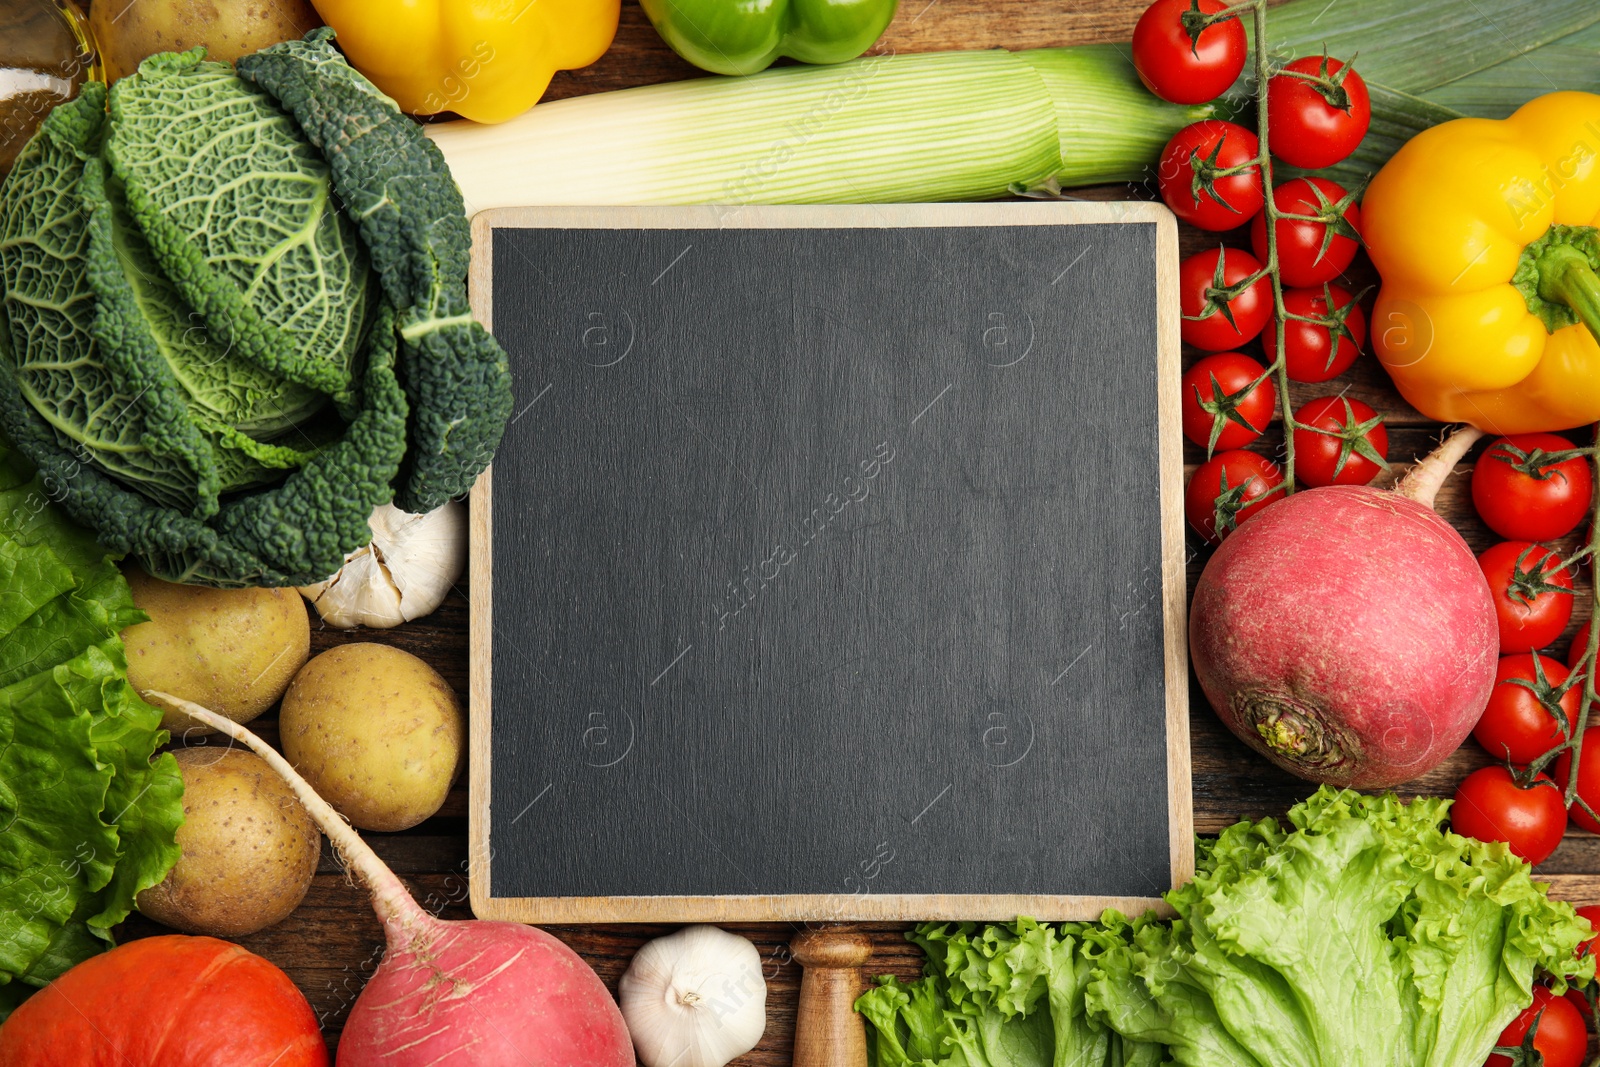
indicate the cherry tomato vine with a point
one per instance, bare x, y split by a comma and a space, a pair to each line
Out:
1230, 296
1311, 215
1266, 235
1583, 667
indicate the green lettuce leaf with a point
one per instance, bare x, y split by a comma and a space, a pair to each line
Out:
96, 608
1365, 935
56, 851
144, 800
91, 812
1362, 934
32, 576
1008, 995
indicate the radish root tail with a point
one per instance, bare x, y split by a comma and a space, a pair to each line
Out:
400, 913
1423, 482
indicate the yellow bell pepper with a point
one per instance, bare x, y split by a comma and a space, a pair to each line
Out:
488, 60
1487, 236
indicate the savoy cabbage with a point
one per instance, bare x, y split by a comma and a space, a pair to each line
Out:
235, 316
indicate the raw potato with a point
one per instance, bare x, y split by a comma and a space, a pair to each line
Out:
376, 731
249, 848
129, 31
231, 650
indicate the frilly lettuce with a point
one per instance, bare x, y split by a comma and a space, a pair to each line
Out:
90, 811
997, 996
1363, 934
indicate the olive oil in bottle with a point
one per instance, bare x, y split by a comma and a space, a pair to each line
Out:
45, 55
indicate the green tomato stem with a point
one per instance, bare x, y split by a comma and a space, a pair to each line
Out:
1591, 655
1280, 366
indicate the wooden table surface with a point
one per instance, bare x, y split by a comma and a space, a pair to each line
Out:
332, 943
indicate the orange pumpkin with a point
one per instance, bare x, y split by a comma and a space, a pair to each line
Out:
170, 1001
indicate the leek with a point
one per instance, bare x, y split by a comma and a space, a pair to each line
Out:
1425, 63
880, 129
1573, 62
1417, 45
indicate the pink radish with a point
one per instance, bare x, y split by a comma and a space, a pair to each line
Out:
1347, 633
456, 994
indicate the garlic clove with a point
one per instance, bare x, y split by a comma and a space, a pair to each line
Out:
404, 573
694, 998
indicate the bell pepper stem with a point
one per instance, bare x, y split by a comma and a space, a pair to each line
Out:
1565, 277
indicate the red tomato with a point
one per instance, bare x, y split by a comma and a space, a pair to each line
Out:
1522, 498
1492, 807
1317, 112
1241, 413
1516, 725
1580, 648
1346, 443
1562, 1039
1228, 489
1193, 179
1310, 253
1588, 778
1211, 281
1527, 582
1311, 355
1187, 69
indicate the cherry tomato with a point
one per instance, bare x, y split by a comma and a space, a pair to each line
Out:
1244, 411
1228, 489
1206, 280
1492, 807
1190, 181
1317, 112
1588, 778
1562, 1039
1516, 726
1312, 356
1351, 448
1524, 499
1580, 647
1310, 253
1527, 582
1184, 69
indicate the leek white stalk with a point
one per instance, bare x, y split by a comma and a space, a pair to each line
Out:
880, 129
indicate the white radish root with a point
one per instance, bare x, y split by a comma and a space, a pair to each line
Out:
1423, 482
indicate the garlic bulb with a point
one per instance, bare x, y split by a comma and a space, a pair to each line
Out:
403, 574
694, 998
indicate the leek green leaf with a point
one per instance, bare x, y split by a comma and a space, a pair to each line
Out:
1572, 62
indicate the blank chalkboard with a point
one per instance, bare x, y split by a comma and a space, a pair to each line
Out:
831, 566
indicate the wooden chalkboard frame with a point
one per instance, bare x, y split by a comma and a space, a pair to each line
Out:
844, 907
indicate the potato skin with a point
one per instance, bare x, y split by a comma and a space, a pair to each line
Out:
249, 848
127, 33
376, 731
233, 651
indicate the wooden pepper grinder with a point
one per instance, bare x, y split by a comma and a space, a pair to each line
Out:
827, 1030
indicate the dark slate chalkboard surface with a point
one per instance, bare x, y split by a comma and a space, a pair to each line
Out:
830, 570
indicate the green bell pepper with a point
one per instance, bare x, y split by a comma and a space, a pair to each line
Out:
744, 36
